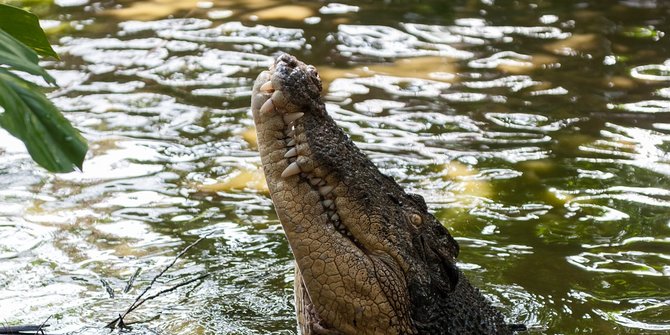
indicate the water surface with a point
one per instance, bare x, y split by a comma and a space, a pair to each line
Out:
539, 133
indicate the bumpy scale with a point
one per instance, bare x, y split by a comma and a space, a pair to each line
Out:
370, 257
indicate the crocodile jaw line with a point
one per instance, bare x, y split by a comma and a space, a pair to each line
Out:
289, 150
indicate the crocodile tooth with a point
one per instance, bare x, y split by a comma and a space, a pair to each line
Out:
268, 106
315, 181
267, 87
327, 203
335, 217
291, 153
278, 98
291, 170
291, 143
288, 118
290, 133
325, 189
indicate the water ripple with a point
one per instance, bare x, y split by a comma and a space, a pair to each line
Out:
212, 68
132, 27
639, 147
643, 195
338, 8
403, 132
634, 317
387, 42
479, 28
399, 86
633, 262
476, 31
646, 106
140, 114
508, 58
191, 71
653, 72
502, 212
236, 32
149, 52
528, 121
514, 83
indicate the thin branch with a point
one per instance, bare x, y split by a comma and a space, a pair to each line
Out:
170, 289
41, 328
23, 329
118, 322
139, 301
131, 281
153, 281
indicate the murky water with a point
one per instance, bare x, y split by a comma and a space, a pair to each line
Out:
539, 133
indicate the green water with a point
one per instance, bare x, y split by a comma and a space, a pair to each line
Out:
539, 133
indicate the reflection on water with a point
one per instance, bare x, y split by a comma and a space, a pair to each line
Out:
538, 133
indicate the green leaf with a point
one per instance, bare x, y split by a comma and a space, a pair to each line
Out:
19, 57
25, 27
50, 138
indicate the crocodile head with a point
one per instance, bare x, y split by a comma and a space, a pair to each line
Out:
370, 257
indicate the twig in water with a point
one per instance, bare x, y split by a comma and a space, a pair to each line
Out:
25, 329
108, 288
118, 322
131, 281
40, 330
170, 289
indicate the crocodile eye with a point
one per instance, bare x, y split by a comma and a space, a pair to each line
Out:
415, 219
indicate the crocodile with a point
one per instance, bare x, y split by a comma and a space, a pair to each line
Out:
370, 258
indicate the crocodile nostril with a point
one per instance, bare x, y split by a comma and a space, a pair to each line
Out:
287, 60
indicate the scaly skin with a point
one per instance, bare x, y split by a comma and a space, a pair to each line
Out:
370, 258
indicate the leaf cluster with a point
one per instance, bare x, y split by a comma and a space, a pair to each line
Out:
25, 112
